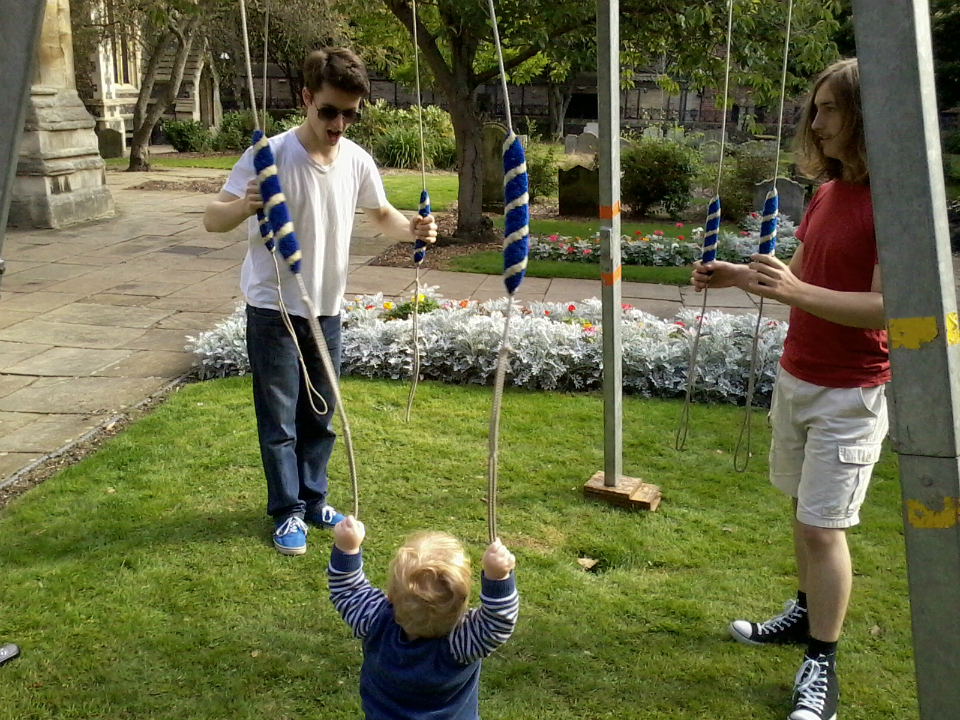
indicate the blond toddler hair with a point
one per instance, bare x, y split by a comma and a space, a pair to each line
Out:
429, 584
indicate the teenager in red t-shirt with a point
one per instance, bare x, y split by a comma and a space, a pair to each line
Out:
828, 412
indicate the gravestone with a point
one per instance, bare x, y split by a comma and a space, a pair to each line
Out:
588, 143
714, 135
652, 133
493, 136
592, 127
111, 143
570, 144
579, 191
710, 150
675, 134
790, 194
751, 147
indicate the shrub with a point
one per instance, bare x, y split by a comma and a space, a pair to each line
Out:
442, 151
541, 170
403, 310
392, 136
187, 135
951, 142
740, 175
236, 130
398, 147
658, 173
290, 122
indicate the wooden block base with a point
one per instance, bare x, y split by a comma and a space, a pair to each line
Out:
631, 493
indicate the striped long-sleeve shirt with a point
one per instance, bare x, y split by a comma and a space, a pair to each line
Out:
426, 678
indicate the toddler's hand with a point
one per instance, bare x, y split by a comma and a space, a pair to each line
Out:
348, 535
498, 561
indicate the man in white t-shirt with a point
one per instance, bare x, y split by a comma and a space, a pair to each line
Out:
325, 178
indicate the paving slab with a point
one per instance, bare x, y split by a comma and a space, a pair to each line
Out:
192, 322
15, 461
14, 352
67, 362
650, 291
570, 290
49, 433
158, 339
10, 421
122, 300
10, 384
69, 334
12, 317
151, 363
371, 279
107, 315
453, 285
35, 302
79, 396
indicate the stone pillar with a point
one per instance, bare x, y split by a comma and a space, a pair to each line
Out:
60, 174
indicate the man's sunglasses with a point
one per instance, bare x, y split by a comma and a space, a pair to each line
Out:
330, 113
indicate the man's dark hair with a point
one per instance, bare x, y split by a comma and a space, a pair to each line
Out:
337, 67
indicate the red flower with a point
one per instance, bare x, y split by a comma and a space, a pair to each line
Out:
679, 323
679, 237
369, 307
624, 306
744, 233
570, 250
679, 224
546, 312
571, 307
587, 251
553, 238
464, 303
658, 233
637, 232
754, 215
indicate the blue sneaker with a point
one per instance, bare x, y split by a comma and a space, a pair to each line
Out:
290, 537
324, 517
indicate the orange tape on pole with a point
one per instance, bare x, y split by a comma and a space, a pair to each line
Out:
609, 212
612, 278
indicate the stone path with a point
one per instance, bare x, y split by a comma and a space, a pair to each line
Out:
94, 319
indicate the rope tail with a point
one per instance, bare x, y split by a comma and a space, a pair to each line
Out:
710, 238
711, 234
419, 246
419, 252
516, 245
768, 244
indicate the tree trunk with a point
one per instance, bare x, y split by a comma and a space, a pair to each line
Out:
140, 144
472, 224
558, 100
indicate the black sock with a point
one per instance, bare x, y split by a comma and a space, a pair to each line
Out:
816, 648
802, 599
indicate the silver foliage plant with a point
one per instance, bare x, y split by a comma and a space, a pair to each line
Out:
554, 346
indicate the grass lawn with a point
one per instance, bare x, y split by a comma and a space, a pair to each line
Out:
587, 229
215, 162
403, 190
141, 583
491, 263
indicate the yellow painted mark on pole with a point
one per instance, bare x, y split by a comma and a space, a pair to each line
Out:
911, 333
953, 329
923, 518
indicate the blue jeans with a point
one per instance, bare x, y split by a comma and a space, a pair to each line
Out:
295, 441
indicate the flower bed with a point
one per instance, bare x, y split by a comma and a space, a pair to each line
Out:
657, 248
555, 346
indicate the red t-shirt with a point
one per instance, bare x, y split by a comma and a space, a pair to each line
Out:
839, 253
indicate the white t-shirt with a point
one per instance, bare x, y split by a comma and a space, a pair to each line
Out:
322, 200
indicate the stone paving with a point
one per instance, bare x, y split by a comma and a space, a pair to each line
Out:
94, 318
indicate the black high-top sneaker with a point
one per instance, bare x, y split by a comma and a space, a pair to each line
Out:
790, 626
816, 690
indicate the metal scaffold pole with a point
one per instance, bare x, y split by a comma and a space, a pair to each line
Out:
909, 206
610, 483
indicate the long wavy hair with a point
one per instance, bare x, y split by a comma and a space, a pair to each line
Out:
844, 80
